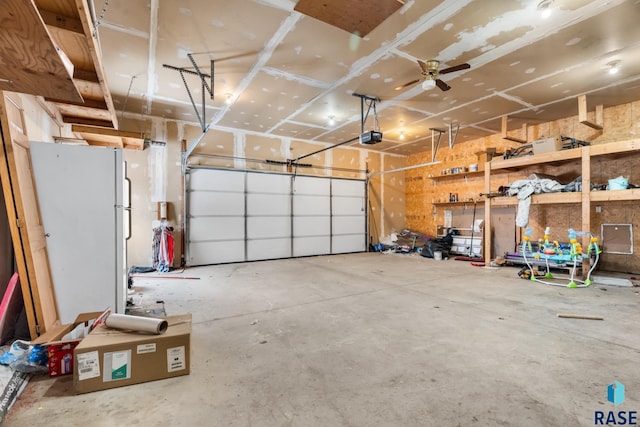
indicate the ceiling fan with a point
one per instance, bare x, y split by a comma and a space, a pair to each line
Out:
430, 74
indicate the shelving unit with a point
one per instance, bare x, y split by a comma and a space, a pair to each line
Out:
579, 158
457, 175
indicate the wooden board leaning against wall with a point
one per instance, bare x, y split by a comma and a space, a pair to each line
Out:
23, 212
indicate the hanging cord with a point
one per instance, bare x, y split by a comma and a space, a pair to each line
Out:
376, 124
126, 98
100, 18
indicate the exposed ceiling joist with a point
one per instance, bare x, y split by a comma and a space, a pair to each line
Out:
109, 137
32, 63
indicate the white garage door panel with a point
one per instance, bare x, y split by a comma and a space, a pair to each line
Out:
202, 253
342, 187
216, 228
268, 204
305, 246
268, 249
345, 244
268, 227
207, 179
347, 206
348, 225
311, 205
311, 226
268, 183
282, 216
214, 203
308, 185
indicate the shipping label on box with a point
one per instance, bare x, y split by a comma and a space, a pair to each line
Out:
117, 365
175, 359
88, 365
146, 348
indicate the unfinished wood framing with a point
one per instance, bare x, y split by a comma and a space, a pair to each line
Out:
583, 114
505, 132
106, 137
32, 62
55, 55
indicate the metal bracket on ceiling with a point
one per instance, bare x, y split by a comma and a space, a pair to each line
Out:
452, 136
205, 86
372, 104
435, 144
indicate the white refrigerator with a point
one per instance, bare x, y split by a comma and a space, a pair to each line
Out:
80, 193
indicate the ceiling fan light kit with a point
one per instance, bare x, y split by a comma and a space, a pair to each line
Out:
431, 75
428, 84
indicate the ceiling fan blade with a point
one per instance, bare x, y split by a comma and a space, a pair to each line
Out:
455, 68
423, 66
407, 84
442, 85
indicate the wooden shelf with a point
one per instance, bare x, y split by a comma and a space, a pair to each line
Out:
561, 156
457, 203
457, 175
615, 195
614, 148
580, 159
540, 199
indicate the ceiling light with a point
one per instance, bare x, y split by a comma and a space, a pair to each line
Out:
614, 67
428, 84
544, 7
332, 121
402, 134
229, 99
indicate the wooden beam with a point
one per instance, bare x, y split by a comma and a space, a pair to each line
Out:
505, 132
51, 110
57, 20
98, 104
86, 121
583, 114
87, 24
105, 131
106, 137
84, 75
31, 62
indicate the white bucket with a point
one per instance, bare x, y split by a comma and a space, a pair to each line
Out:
437, 255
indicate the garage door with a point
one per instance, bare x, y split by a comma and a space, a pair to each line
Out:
235, 216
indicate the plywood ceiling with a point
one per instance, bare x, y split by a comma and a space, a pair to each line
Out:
287, 74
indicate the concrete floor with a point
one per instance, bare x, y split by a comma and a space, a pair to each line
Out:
371, 340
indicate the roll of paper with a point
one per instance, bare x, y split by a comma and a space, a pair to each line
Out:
137, 323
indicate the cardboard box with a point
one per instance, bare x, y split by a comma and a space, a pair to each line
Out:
546, 145
109, 358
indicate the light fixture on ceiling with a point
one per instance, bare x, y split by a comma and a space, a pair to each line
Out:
229, 99
544, 7
402, 135
614, 67
428, 84
332, 121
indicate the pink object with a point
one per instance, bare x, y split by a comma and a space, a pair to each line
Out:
10, 308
